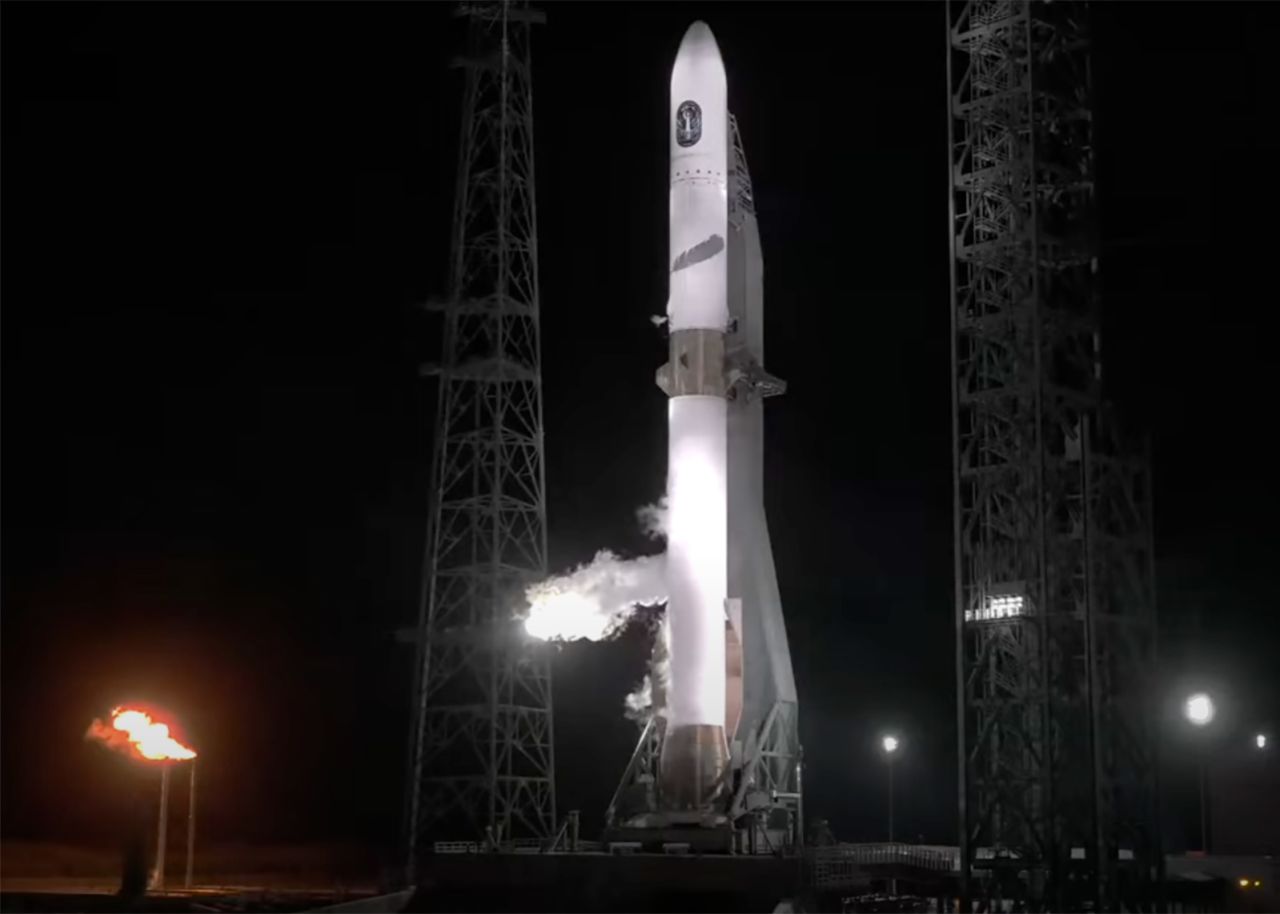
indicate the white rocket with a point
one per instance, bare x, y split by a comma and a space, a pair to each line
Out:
729, 724
695, 753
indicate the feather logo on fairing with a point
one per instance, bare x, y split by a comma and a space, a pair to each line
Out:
703, 250
688, 123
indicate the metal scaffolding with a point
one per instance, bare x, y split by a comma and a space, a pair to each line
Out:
1055, 607
482, 761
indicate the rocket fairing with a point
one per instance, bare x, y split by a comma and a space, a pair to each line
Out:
699, 144
695, 752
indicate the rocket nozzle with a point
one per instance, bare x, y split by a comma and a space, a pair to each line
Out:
691, 771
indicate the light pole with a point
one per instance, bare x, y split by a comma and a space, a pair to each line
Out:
1260, 740
1200, 711
157, 876
889, 743
890, 746
191, 824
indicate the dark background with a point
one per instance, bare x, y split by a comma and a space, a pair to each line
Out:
218, 220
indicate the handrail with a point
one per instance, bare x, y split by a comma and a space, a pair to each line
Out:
841, 863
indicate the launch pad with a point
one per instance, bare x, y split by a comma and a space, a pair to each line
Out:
599, 881
600, 877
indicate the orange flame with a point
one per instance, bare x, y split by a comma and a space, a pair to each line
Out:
134, 731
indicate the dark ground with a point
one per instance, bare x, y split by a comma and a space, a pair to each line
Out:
45, 867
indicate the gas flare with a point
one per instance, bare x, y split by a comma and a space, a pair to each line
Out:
134, 732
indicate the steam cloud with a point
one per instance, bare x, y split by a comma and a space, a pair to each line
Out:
649, 698
653, 519
595, 601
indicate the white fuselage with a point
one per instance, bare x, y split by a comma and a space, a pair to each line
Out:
697, 450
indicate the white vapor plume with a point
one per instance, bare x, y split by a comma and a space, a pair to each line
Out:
649, 698
594, 601
639, 703
653, 519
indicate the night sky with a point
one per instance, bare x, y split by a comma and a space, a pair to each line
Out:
219, 220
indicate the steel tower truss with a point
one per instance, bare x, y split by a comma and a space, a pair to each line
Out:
482, 756
1055, 612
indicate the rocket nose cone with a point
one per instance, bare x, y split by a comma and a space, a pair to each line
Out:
698, 41
698, 58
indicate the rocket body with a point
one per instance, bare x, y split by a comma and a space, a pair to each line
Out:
695, 752
727, 706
